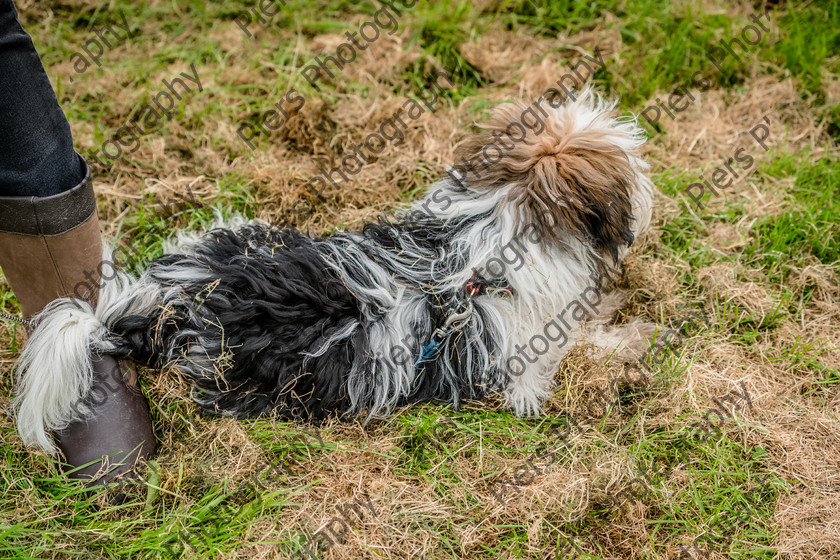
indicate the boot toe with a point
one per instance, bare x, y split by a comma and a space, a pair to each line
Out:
118, 435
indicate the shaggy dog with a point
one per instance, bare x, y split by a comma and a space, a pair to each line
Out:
266, 320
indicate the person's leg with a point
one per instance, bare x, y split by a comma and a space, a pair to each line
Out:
36, 147
50, 247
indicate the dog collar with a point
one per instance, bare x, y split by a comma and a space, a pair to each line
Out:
475, 286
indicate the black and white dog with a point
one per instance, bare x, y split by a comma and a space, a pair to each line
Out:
266, 320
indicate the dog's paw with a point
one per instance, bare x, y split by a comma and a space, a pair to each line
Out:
607, 308
525, 400
637, 338
624, 343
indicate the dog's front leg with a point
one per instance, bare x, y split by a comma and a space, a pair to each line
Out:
532, 362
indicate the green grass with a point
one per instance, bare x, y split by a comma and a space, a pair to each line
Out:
43, 515
808, 228
811, 44
721, 482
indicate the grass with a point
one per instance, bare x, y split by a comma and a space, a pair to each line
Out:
808, 228
761, 263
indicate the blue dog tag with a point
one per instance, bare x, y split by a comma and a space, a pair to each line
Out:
428, 351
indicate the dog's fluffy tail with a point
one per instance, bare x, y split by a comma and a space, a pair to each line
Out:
55, 370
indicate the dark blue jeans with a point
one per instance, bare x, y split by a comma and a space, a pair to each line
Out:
36, 147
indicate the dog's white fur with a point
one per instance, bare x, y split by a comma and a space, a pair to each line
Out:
55, 368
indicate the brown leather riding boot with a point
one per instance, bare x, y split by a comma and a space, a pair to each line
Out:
49, 248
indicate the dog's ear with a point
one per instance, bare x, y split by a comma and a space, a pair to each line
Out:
573, 173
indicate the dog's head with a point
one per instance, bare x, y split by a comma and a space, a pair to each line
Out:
572, 169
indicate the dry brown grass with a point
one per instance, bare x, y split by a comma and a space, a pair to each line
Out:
798, 428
